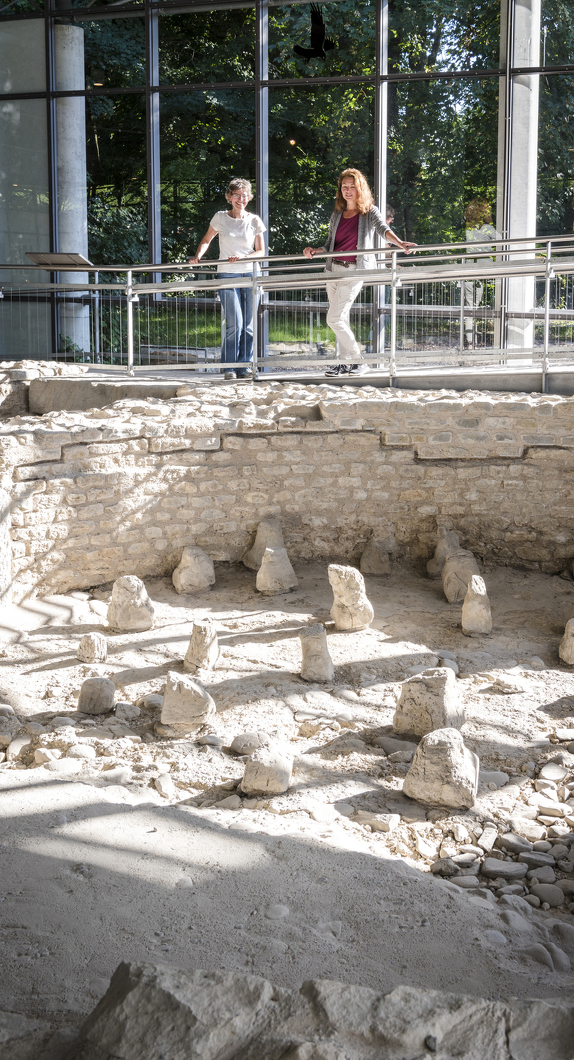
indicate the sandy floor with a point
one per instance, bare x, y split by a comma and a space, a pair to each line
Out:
98, 867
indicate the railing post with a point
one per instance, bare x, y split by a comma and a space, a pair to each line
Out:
130, 312
255, 322
395, 282
548, 277
461, 318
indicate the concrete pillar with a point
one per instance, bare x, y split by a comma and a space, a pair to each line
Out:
72, 193
521, 125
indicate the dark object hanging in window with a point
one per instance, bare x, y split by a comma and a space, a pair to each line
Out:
318, 43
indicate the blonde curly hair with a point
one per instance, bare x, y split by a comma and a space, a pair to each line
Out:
364, 194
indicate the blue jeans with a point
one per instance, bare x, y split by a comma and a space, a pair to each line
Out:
238, 307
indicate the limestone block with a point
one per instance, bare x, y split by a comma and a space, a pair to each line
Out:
351, 608
566, 649
447, 545
375, 558
456, 574
195, 573
429, 701
152, 1010
276, 575
92, 648
269, 535
203, 647
96, 696
444, 772
17, 747
130, 607
268, 771
316, 664
186, 704
248, 742
476, 616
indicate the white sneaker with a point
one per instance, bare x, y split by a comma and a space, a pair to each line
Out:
358, 369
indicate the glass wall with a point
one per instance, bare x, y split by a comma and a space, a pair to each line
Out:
121, 124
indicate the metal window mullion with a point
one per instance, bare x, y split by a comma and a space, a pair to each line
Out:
380, 153
152, 138
261, 324
52, 162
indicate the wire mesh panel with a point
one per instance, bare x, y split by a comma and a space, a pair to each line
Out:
173, 329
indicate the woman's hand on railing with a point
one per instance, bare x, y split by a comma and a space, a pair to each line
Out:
408, 247
309, 252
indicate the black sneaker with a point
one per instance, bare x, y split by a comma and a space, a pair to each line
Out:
338, 369
358, 369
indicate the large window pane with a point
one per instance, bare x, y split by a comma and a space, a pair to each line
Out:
314, 133
557, 44
114, 52
426, 35
24, 215
443, 139
206, 139
208, 46
23, 56
338, 39
556, 155
116, 175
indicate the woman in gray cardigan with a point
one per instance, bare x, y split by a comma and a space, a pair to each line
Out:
353, 224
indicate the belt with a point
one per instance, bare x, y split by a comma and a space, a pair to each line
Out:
345, 264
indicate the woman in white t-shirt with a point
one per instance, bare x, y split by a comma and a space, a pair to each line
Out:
240, 241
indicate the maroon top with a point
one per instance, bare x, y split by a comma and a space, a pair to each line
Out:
347, 237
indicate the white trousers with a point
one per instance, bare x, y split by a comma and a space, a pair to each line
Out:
341, 294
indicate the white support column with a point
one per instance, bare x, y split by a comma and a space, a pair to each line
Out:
72, 194
518, 156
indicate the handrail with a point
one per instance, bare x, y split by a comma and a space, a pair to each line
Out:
506, 246
457, 264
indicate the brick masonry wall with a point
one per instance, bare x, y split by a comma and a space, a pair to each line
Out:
121, 490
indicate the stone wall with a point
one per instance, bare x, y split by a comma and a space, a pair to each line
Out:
123, 489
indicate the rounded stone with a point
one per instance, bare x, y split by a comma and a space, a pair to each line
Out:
96, 696
549, 893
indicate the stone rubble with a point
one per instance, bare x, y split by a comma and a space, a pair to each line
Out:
275, 575
130, 608
348, 772
351, 608
375, 558
457, 572
195, 572
443, 772
93, 647
268, 771
448, 544
150, 1008
476, 615
96, 696
269, 535
566, 647
203, 648
187, 706
428, 701
316, 663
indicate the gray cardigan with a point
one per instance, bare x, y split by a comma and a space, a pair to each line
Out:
369, 224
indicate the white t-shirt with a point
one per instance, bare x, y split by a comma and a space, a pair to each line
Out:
236, 236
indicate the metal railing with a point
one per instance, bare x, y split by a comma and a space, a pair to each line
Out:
471, 303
